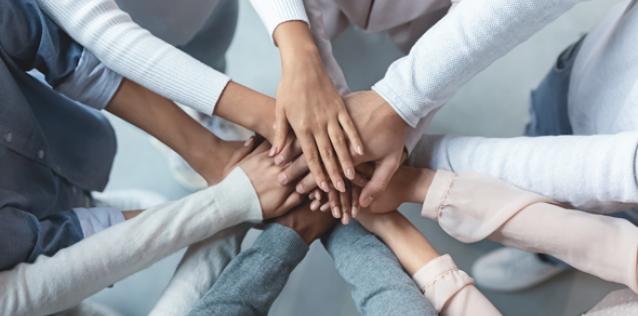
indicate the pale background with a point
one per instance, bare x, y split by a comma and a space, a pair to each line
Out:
492, 104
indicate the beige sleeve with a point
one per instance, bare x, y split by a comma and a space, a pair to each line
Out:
472, 207
450, 290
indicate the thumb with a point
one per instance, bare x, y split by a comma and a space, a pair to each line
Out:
281, 131
382, 175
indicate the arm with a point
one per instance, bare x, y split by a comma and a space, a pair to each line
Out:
449, 289
464, 42
246, 195
380, 286
471, 208
307, 98
596, 172
254, 279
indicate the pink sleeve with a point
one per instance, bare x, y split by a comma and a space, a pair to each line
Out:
472, 207
450, 290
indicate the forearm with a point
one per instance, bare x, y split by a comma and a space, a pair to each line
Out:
595, 172
164, 120
464, 42
83, 269
248, 108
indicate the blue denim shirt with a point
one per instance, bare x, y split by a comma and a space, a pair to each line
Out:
52, 150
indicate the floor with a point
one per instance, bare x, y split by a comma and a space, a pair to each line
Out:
492, 104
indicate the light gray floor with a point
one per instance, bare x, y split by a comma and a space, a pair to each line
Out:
492, 104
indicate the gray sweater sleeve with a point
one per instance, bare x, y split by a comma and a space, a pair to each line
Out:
253, 280
379, 284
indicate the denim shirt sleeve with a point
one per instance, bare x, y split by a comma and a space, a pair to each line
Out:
34, 41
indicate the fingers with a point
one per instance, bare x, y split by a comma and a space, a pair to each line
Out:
291, 201
356, 191
294, 171
281, 131
315, 197
290, 151
351, 131
383, 173
329, 161
306, 184
346, 207
314, 162
334, 201
341, 147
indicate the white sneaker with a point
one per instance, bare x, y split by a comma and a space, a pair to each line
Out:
127, 200
182, 172
511, 269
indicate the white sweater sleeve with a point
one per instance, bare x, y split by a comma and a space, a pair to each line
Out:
275, 12
52, 284
128, 49
596, 173
464, 42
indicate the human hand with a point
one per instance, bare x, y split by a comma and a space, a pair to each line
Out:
309, 225
384, 133
309, 102
274, 198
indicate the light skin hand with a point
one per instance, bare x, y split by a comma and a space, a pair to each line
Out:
384, 133
274, 198
309, 102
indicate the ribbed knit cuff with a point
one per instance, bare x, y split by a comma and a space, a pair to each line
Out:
275, 12
283, 243
437, 193
440, 280
385, 90
240, 195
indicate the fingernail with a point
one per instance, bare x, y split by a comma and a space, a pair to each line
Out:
341, 186
355, 211
350, 173
324, 186
249, 142
283, 178
335, 212
300, 189
359, 150
324, 207
314, 205
346, 219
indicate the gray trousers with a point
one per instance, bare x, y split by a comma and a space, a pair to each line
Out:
253, 280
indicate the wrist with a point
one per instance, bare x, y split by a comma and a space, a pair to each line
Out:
416, 184
248, 108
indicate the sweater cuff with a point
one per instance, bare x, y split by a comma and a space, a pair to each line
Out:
95, 220
440, 279
275, 12
283, 243
437, 194
240, 193
403, 109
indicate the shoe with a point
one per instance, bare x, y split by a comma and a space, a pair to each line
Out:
511, 269
88, 308
127, 199
180, 169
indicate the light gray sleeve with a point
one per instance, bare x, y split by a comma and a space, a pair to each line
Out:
92, 83
379, 284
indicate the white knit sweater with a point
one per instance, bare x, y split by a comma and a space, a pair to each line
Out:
53, 284
123, 46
